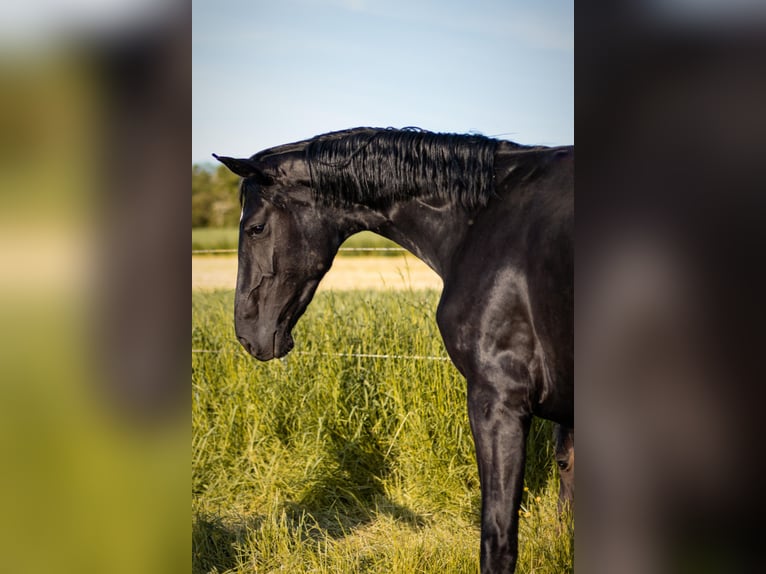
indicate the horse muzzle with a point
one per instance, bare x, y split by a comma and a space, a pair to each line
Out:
275, 346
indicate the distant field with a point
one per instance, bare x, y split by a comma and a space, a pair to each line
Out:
371, 272
331, 462
214, 238
226, 238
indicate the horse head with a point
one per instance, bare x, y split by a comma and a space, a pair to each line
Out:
286, 244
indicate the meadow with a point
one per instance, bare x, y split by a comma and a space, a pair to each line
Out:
337, 460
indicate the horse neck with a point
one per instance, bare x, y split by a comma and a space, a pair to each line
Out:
431, 230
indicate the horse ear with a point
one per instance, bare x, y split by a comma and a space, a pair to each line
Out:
245, 168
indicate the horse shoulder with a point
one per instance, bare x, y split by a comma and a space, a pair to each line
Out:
490, 314
489, 333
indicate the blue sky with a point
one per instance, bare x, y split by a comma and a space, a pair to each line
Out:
267, 72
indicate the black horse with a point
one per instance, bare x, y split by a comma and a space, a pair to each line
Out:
493, 218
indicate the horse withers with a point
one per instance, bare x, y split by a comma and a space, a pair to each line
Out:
493, 218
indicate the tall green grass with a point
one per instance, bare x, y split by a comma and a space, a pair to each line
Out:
327, 463
204, 238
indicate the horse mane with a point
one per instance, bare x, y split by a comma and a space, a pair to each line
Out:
378, 166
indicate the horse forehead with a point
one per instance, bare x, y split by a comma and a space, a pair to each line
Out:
251, 198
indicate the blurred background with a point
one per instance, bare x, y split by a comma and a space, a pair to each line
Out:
670, 237
94, 134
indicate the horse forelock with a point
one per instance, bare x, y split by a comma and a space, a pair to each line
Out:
378, 166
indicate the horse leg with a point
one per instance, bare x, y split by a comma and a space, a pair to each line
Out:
564, 440
500, 435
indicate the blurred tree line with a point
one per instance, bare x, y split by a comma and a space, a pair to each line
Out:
215, 197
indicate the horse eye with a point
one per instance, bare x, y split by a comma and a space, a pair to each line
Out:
562, 464
256, 229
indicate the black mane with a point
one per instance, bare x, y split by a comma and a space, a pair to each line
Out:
377, 166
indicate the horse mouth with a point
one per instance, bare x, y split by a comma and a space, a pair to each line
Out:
266, 344
282, 344
283, 338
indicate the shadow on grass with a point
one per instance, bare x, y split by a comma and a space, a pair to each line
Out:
353, 482
540, 456
347, 495
214, 544
221, 544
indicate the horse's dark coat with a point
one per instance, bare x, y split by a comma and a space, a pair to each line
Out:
494, 219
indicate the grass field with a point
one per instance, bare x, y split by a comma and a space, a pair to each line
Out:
226, 238
340, 464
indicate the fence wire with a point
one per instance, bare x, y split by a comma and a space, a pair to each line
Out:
372, 249
336, 355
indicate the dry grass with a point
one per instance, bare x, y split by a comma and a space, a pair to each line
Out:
405, 272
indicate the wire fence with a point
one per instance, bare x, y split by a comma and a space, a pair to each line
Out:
336, 355
347, 249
